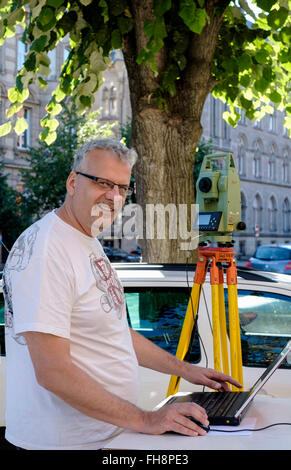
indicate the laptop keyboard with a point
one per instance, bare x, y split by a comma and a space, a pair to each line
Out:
215, 403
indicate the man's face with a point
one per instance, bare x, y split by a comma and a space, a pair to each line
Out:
93, 207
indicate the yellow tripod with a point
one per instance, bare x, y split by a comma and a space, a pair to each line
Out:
213, 257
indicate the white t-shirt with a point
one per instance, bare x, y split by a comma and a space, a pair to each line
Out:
59, 281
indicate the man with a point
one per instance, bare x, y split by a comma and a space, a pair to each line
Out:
72, 361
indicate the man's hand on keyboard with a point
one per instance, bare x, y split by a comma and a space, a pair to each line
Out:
209, 377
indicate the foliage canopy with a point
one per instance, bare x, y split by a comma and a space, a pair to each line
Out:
251, 65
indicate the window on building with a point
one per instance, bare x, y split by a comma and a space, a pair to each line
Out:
22, 50
286, 216
272, 168
105, 102
257, 164
23, 140
113, 101
243, 119
243, 207
258, 124
257, 211
272, 212
273, 122
241, 158
285, 175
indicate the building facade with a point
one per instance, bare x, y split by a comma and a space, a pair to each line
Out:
262, 150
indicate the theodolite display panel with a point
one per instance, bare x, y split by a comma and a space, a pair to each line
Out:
209, 221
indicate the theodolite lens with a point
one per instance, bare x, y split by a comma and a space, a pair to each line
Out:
205, 184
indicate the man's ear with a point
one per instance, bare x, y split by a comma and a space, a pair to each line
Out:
71, 183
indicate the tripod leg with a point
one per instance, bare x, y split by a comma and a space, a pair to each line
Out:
186, 334
233, 289
222, 322
215, 327
234, 336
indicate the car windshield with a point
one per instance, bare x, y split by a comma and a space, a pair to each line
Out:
273, 253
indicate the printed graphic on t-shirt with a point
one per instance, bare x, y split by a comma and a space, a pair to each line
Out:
18, 260
22, 250
108, 282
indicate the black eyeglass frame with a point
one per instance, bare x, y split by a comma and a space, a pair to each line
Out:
128, 189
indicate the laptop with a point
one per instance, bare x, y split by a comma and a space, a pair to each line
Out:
228, 408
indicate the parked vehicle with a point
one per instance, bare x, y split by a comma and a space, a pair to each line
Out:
157, 297
275, 258
120, 256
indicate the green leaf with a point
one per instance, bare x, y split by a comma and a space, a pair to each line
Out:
13, 95
245, 80
244, 62
56, 3
230, 65
268, 73
30, 62
116, 39
19, 84
261, 85
46, 16
104, 6
13, 109
41, 83
54, 108
246, 104
193, 17
285, 34
277, 18
275, 96
161, 6
5, 128
125, 24
59, 94
265, 5
117, 7
261, 56
20, 126
50, 124
50, 138
39, 44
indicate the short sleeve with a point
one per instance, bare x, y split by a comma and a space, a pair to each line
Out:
42, 294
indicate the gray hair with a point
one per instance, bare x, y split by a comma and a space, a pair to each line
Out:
114, 146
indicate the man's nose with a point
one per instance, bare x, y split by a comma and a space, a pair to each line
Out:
113, 192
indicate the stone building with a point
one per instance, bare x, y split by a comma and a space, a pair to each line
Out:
262, 150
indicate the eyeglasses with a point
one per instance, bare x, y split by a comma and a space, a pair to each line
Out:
107, 185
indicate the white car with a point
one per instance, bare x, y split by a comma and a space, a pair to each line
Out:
157, 297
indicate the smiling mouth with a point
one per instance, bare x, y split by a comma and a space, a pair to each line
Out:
100, 209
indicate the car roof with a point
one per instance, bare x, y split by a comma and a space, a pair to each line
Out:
273, 245
163, 271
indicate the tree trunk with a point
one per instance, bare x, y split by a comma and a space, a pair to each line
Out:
166, 139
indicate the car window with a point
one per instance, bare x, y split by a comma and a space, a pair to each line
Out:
265, 322
158, 314
273, 253
2, 332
